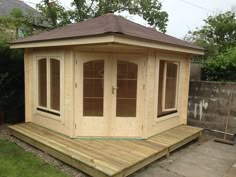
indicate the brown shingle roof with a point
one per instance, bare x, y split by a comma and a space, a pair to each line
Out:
108, 23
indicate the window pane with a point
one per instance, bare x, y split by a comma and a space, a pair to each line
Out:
170, 88
126, 70
160, 87
42, 82
126, 107
127, 89
93, 106
171, 82
55, 84
93, 88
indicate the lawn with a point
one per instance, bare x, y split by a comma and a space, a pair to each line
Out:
15, 162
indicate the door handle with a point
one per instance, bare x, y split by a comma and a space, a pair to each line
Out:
113, 89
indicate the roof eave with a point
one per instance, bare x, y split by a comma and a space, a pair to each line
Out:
157, 45
110, 38
96, 39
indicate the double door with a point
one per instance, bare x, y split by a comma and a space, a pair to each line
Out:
109, 94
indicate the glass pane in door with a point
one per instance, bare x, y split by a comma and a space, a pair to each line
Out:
126, 97
93, 86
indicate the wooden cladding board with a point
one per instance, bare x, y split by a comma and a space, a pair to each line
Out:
101, 157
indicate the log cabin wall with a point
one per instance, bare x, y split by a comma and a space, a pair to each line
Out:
152, 124
65, 122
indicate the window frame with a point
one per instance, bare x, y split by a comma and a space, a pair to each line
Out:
170, 58
47, 111
164, 87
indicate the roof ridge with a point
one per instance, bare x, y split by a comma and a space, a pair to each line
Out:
154, 30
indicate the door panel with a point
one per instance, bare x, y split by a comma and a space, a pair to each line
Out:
91, 107
127, 79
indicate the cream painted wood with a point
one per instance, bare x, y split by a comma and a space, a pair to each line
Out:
128, 40
66, 42
91, 125
108, 124
185, 90
64, 123
164, 87
71, 106
59, 55
111, 38
111, 48
152, 124
69, 91
172, 58
128, 126
28, 85
149, 88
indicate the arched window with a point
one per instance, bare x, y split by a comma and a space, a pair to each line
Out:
49, 86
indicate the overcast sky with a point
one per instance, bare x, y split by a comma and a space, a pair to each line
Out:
184, 15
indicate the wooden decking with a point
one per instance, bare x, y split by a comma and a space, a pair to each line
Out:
103, 158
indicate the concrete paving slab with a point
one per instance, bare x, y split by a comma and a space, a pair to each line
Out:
200, 159
231, 172
211, 159
155, 172
218, 150
195, 165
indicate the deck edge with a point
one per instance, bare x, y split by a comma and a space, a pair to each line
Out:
58, 155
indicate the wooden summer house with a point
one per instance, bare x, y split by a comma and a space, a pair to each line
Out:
107, 96
106, 77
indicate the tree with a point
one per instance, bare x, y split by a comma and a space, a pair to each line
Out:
56, 14
14, 21
12, 65
217, 35
11, 83
149, 10
221, 67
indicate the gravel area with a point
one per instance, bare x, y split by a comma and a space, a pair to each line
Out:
73, 172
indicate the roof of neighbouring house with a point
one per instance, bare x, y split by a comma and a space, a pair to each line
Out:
6, 7
107, 24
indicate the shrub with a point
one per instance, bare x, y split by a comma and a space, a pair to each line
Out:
221, 67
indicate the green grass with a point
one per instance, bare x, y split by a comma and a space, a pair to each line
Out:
15, 162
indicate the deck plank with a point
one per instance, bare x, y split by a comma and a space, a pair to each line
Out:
79, 146
104, 158
76, 154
